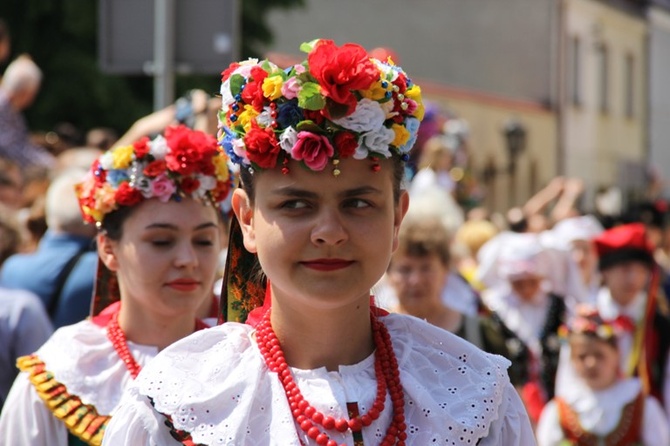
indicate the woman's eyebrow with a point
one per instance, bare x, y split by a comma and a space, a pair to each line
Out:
207, 224
302, 193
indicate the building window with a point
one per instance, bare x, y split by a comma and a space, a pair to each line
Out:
603, 77
629, 79
575, 72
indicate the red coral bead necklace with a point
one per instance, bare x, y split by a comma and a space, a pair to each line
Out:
310, 420
118, 339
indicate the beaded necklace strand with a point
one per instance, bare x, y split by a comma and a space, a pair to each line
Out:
118, 339
310, 420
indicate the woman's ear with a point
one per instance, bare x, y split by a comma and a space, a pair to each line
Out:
400, 212
107, 252
244, 212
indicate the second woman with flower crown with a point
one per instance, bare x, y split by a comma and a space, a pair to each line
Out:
321, 148
156, 206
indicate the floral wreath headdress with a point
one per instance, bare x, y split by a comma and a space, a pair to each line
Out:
180, 163
338, 103
588, 321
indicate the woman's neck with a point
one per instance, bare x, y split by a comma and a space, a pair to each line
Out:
323, 338
142, 327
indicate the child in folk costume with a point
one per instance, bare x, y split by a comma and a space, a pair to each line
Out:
322, 147
600, 406
631, 282
155, 204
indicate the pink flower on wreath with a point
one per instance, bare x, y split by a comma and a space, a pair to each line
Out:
313, 149
162, 188
290, 88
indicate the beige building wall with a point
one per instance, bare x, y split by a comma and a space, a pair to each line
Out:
599, 142
486, 116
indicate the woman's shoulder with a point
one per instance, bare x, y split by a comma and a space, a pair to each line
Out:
202, 357
78, 362
412, 335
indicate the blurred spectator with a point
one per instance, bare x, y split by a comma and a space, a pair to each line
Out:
419, 272
11, 184
24, 327
62, 269
527, 304
468, 240
102, 138
11, 240
575, 236
77, 158
434, 167
195, 109
5, 42
18, 89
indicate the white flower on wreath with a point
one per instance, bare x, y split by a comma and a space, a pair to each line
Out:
288, 139
207, 183
376, 141
107, 160
227, 98
264, 119
158, 148
367, 116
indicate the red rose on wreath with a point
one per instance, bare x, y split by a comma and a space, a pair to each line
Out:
141, 147
228, 71
127, 196
252, 93
155, 168
189, 185
339, 70
346, 143
262, 146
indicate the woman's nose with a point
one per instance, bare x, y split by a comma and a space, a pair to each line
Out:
328, 229
186, 255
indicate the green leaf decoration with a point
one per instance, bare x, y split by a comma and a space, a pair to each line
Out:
308, 126
307, 47
236, 82
310, 97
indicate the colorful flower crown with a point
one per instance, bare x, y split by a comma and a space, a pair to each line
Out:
184, 162
338, 103
588, 321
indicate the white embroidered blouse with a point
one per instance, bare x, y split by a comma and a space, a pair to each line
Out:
215, 385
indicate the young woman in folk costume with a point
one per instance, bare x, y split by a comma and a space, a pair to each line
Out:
600, 406
156, 206
321, 146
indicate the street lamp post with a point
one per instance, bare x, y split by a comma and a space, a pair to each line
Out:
515, 137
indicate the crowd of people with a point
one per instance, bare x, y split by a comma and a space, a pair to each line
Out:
280, 263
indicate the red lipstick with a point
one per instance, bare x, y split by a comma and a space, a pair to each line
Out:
327, 264
184, 284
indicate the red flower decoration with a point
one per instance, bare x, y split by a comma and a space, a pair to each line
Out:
345, 143
127, 196
252, 93
141, 147
221, 190
341, 70
189, 185
228, 71
262, 146
189, 150
155, 168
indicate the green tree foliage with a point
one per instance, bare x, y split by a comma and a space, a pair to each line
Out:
62, 35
